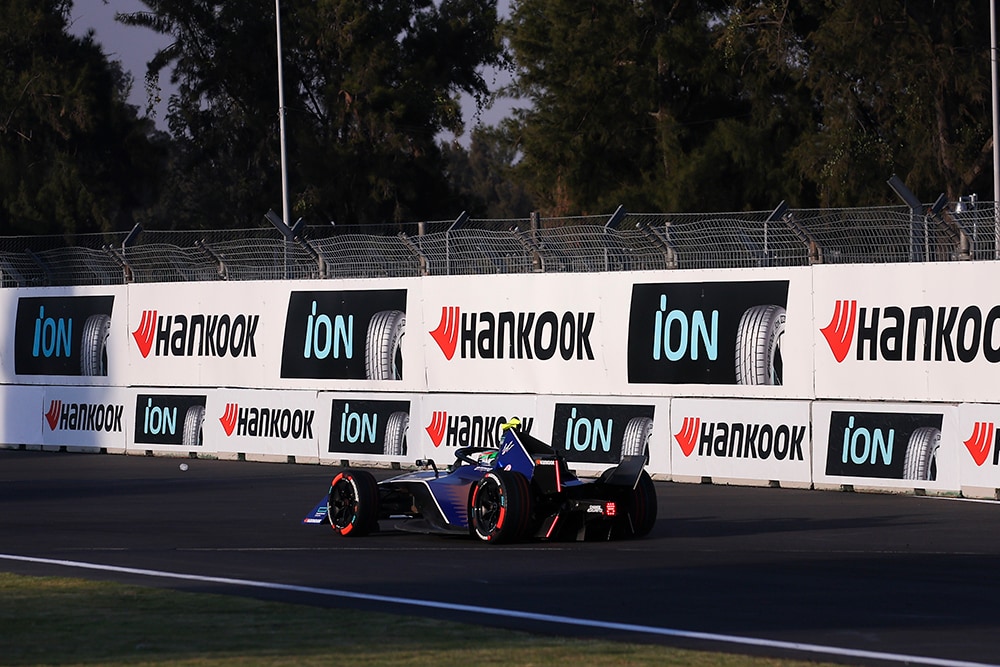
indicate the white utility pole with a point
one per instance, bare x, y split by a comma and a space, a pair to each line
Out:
286, 216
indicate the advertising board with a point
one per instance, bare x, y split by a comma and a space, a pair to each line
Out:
886, 445
63, 335
265, 423
742, 440
86, 417
912, 332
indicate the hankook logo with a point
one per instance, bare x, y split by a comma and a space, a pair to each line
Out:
741, 440
919, 333
984, 436
514, 335
84, 416
267, 422
196, 335
469, 430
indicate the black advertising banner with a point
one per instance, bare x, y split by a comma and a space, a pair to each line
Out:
597, 433
885, 445
62, 335
344, 335
169, 419
689, 333
369, 427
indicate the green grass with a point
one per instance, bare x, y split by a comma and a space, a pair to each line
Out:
59, 621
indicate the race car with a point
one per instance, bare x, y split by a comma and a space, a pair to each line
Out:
522, 490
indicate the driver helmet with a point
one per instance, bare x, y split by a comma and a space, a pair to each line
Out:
487, 458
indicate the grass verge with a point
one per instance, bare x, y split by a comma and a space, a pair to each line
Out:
61, 621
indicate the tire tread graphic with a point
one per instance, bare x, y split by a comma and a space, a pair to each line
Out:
383, 354
758, 346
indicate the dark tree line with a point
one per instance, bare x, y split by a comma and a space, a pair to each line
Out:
659, 105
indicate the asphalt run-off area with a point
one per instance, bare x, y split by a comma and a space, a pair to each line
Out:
846, 577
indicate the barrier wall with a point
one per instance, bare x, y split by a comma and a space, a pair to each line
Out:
870, 376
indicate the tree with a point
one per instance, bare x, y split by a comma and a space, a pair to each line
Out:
481, 176
896, 87
709, 105
74, 156
369, 86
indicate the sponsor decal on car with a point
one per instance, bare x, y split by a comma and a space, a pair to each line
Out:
196, 335
64, 335
886, 445
741, 440
344, 335
169, 419
601, 433
461, 430
369, 426
267, 422
707, 333
514, 335
918, 333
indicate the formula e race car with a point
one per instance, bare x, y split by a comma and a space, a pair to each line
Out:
521, 490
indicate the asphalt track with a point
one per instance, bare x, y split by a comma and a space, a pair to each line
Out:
875, 579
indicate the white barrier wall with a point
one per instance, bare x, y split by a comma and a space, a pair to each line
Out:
749, 375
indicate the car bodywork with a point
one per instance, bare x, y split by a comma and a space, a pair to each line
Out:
522, 490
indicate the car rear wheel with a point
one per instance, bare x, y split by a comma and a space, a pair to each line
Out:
353, 504
640, 508
500, 507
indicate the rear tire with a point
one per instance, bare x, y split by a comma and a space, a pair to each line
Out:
352, 507
500, 507
640, 508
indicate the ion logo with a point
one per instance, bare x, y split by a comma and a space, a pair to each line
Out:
350, 335
884, 445
369, 427
196, 336
926, 333
169, 419
265, 422
707, 333
84, 417
742, 440
602, 433
981, 440
510, 335
62, 335
469, 430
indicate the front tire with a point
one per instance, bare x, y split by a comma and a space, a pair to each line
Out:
500, 508
352, 507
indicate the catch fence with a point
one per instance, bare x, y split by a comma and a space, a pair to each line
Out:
618, 242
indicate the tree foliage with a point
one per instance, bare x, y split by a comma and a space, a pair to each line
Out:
708, 105
368, 86
74, 156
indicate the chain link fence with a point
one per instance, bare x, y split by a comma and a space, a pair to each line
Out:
617, 242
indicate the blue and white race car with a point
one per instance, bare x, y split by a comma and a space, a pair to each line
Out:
522, 490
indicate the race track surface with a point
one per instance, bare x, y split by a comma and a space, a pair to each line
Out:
874, 577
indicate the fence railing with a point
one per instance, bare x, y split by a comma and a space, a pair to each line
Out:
619, 242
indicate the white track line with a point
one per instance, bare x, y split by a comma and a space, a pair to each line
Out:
510, 613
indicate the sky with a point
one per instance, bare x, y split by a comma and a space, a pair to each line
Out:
134, 47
